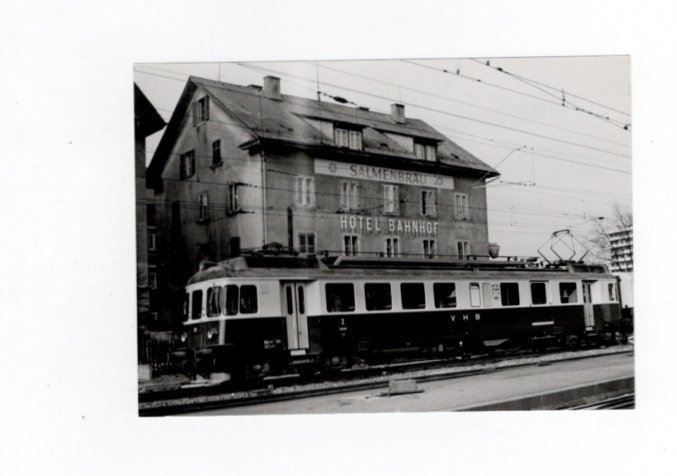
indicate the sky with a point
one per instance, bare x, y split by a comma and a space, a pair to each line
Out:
561, 168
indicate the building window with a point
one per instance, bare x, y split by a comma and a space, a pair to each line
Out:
233, 205
425, 151
377, 296
413, 295
419, 150
538, 293
340, 297
351, 245
392, 247
461, 209
567, 293
201, 110
428, 203
341, 137
349, 194
305, 191
152, 241
187, 164
444, 294
203, 208
391, 199
355, 140
463, 249
348, 138
612, 292
216, 152
150, 214
152, 280
307, 243
510, 295
429, 248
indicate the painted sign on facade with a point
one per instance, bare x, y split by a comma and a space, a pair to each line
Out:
382, 174
388, 226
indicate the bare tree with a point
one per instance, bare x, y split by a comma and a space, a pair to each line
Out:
598, 239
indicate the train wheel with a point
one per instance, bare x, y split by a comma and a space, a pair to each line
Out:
572, 342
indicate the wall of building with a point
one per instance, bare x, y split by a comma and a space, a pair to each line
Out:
187, 241
330, 223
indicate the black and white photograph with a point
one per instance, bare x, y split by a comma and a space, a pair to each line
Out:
384, 235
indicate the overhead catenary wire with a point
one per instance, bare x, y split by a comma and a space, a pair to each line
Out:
542, 155
503, 70
441, 111
565, 102
504, 88
469, 104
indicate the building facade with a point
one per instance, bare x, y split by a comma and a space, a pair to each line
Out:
243, 167
620, 244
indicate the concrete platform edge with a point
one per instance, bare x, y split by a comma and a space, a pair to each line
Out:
560, 398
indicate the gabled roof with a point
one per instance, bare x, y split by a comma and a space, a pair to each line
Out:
287, 120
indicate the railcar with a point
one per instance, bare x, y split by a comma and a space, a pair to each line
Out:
256, 314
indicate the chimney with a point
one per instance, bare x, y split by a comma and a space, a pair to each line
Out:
271, 88
397, 113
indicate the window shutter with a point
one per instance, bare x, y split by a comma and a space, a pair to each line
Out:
206, 109
194, 112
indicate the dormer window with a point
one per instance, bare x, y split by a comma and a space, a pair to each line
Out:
349, 138
425, 151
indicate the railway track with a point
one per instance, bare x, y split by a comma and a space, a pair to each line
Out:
620, 402
208, 398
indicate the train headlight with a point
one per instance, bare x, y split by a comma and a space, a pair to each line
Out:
184, 337
212, 333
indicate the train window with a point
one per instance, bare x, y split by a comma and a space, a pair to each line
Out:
538, 293
340, 297
612, 292
196, 309
413, 295
302, 301
290, 300
567, 293
510, 295
445, 295
186, 304
474, 294
248, 301
232, 299
377, 296
214, 301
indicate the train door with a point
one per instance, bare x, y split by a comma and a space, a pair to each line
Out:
294, 309
587, 304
